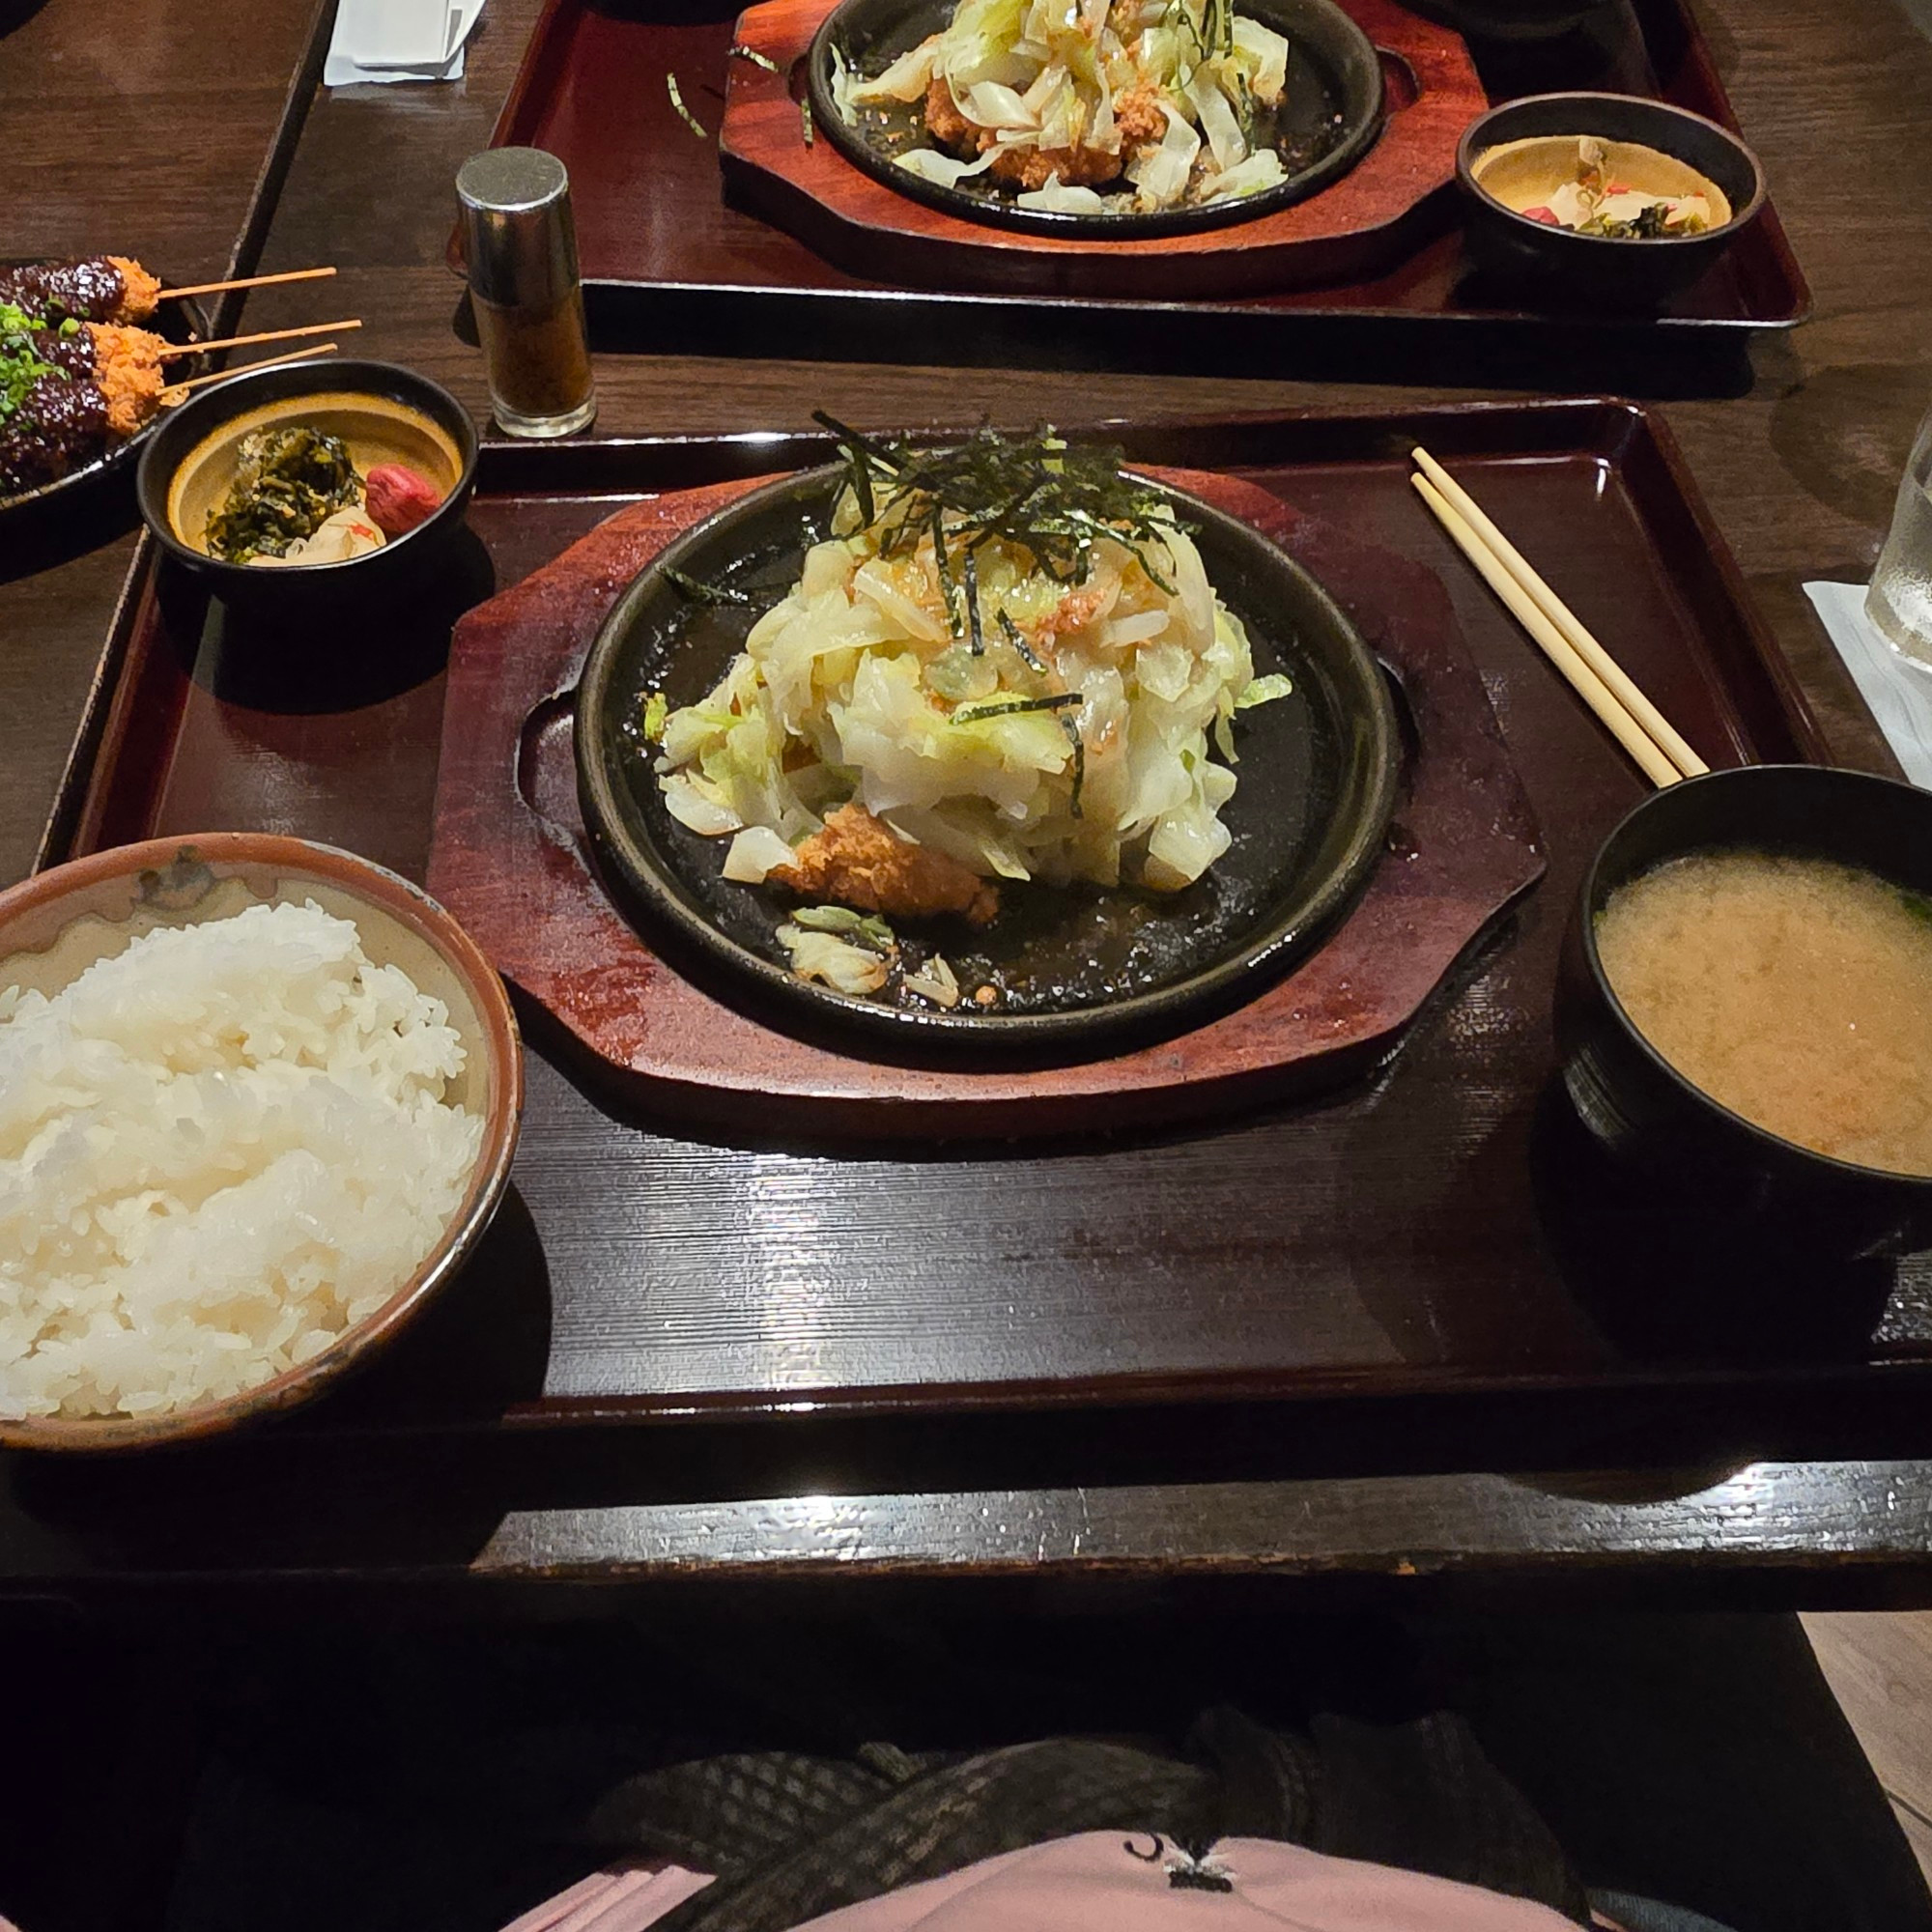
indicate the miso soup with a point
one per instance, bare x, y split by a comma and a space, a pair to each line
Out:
1793, 991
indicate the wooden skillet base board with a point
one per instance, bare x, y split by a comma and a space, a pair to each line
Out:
508, 857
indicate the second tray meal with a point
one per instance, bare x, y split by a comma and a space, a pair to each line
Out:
670, 261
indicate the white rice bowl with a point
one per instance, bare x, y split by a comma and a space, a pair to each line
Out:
220, 1148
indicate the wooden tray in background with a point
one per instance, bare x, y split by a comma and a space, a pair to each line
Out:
670, 265
1408, 1268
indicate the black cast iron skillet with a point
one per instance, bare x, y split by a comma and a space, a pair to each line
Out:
1080, 969
1331, 113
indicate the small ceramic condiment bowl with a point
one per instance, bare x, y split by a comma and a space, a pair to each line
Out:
57, 923
382, 413
1641, 1108
1529, 147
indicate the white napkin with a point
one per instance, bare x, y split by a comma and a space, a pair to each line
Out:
1898, 691
398, 40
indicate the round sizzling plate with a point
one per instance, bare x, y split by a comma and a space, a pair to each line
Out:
1329, 117
178, 320
1080, 968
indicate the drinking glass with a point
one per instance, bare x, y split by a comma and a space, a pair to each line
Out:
1899, 601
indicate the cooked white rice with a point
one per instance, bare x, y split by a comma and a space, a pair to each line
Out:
217, 1150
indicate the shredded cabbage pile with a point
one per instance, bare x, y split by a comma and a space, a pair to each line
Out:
1059, 731
1049, 75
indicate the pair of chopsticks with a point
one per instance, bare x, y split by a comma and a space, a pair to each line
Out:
179, 348
1603, 683
248, 282
264, 335
175, 392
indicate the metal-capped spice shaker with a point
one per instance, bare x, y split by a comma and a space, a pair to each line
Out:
520, 249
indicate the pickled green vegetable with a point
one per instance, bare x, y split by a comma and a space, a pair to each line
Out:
289, 483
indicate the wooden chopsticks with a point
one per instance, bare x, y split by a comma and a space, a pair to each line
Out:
1603, 683
175, 392
174, 350
249, 282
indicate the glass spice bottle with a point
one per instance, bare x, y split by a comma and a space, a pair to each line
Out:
520, 249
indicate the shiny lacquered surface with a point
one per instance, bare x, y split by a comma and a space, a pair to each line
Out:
846, 204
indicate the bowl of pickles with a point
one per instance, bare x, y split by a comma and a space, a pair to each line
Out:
350, 475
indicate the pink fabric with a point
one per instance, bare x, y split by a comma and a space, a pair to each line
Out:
614, 1901
1103, 1881
1095, 1884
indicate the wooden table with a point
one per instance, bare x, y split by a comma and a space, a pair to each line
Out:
1800, 472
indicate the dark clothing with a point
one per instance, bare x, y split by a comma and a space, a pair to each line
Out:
794, 1837
333, 1780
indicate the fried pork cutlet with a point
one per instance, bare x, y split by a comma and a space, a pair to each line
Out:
127, 373
140, 292
858, 860
1137, 114
949, 127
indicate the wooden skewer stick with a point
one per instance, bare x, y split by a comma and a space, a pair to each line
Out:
1589, 686
1566, 620
177, 389
248, 282
169, 354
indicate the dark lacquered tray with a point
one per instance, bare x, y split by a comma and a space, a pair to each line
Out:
1416, 1273
670, 263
